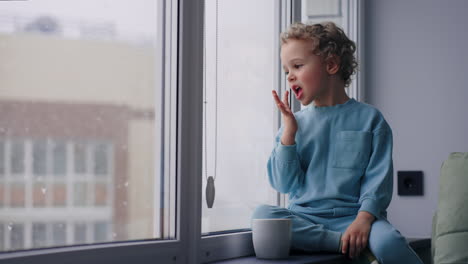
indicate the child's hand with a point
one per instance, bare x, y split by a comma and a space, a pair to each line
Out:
357, 234
290, 124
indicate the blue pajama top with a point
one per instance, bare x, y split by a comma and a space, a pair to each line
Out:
341, 161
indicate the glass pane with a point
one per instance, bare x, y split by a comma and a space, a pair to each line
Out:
100, 194
59, 194
59, 234
100, 232
80, 194
17, 195
79, 231
16, 236
318, 11
100, 159
239, 125
2, 159
39, 194
2, 194
17, 157
80, 133
2, 236
39, 235
59, 158
39, 157
79, 157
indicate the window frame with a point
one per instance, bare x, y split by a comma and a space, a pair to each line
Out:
188, 246
188, 88
232, 245
219, 247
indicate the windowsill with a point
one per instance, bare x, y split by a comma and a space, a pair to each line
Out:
323, 258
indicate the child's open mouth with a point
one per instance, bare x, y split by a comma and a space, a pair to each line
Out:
297, 91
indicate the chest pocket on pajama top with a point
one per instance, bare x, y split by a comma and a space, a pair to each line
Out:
352, 149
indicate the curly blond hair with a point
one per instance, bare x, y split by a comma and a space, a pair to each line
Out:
328, 40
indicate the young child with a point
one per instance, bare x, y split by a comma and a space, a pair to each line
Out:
333, 158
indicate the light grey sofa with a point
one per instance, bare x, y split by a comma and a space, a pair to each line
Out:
450, 222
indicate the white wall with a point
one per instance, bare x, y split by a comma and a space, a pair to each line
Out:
417, 75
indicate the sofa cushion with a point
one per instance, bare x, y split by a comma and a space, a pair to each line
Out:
450, 235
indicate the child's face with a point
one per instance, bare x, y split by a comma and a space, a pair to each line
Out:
306, 72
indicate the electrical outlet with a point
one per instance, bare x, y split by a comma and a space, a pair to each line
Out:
410, 183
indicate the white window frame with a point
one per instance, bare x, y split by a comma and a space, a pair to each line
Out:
188, 245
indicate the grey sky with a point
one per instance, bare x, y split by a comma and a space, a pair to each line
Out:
131, 16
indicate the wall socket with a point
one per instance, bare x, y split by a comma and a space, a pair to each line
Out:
410, 183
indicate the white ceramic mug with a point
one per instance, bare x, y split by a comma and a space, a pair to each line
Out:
271, 238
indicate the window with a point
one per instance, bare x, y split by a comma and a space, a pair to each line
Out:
85, 156
39, 237
239, 115
101, 150
241, 68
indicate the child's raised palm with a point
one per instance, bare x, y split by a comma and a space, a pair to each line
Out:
290, 123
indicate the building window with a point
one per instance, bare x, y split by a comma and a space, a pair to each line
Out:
17, 158
39, 235
39, 156
79, 231
16, 236
59, 159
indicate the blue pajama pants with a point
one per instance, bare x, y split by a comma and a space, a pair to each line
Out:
322, 233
